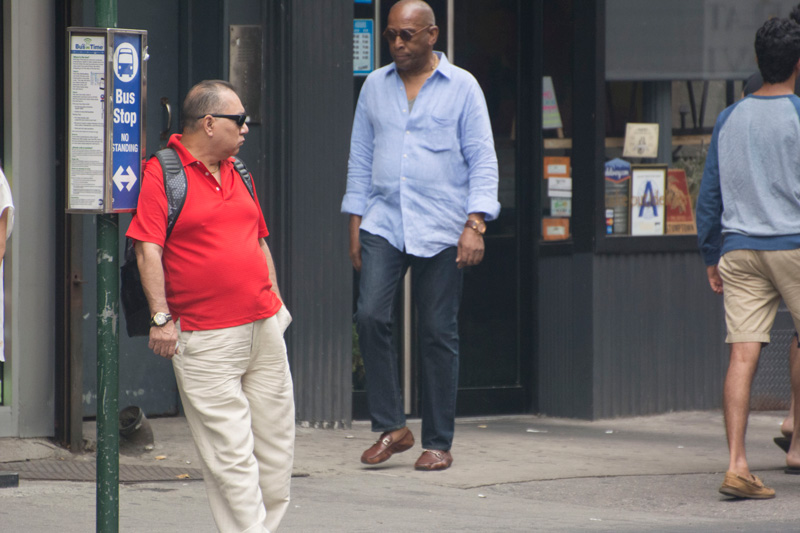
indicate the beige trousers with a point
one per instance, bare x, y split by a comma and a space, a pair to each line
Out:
236, 390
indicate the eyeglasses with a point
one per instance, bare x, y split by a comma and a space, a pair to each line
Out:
406, 35
238, 119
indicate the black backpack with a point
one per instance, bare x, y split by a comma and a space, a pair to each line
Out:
134, 302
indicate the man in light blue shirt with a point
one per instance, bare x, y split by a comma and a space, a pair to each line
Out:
422, 182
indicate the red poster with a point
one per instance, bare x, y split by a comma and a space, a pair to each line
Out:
680, 217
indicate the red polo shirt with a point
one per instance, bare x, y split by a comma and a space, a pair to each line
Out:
215, 273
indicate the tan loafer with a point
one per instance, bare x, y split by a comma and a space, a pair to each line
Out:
741, 487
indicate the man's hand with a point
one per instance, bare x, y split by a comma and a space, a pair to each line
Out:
470, 248
714, 279
355, 243
164, 340
270, 267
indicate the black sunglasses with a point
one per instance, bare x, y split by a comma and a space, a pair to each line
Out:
406, 35
238, 119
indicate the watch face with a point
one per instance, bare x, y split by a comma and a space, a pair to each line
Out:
477, 226
159, 319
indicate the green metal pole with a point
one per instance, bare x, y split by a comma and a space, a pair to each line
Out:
105, 13
107, 374
107, 345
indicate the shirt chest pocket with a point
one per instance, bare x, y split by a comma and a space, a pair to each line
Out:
439, 134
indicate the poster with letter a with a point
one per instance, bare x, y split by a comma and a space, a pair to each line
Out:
647, 199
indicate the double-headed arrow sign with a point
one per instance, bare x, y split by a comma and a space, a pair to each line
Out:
123, 178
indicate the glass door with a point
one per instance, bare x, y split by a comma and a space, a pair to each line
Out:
484, 42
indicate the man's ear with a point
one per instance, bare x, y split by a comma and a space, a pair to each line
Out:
433, 35
208, 125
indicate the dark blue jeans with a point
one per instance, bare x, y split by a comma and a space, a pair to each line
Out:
436, 288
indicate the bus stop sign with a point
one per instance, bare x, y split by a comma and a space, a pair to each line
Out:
126, 166
107, 94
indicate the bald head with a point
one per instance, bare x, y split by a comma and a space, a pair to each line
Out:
416, 8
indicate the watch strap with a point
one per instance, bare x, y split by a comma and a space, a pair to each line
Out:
477, 225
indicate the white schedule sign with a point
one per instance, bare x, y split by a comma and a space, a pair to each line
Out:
85, 143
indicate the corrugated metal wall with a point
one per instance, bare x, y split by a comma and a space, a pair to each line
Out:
657, 336
319, 286
563, 383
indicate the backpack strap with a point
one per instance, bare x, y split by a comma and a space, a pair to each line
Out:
175, 184
240, 167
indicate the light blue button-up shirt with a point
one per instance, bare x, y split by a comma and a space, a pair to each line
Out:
415, 176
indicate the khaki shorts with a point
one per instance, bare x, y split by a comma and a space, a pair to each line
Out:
753, 283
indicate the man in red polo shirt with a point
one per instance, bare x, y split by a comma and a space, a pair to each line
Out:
217, 313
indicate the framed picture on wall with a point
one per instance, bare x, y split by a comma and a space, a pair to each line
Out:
648, 185
678, 203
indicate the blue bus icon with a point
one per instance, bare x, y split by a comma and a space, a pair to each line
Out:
125, 63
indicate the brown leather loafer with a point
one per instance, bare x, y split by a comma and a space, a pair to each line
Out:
434, 460
389, 443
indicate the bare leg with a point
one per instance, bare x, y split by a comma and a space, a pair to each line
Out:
736, 399
794, 355
788, 422
793, 456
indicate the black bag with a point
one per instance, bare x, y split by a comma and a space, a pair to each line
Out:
134, 303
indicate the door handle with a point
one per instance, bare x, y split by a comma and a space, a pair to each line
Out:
168, 108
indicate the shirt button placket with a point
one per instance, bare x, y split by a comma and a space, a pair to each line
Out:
403, 178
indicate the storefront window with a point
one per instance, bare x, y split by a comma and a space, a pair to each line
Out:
695, 107
670, 70
654, 193
556, 187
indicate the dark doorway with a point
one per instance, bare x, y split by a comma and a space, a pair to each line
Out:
491, 381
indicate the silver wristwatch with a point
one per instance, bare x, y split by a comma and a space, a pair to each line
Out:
160, 319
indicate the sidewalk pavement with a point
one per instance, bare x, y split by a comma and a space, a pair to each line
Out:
512, 473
